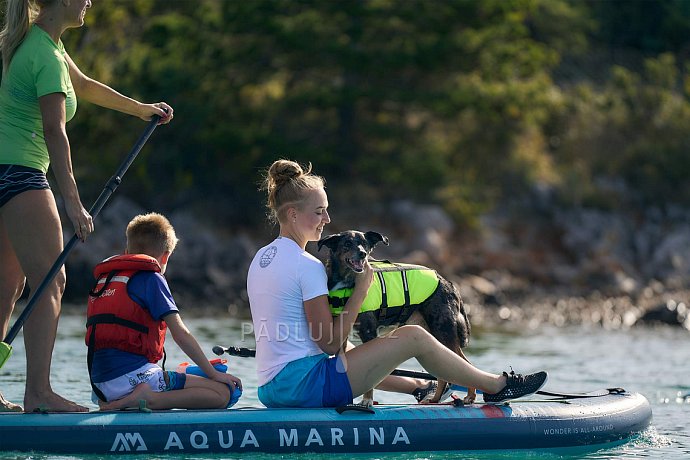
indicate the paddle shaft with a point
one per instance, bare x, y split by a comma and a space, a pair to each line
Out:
250, 353
110, 187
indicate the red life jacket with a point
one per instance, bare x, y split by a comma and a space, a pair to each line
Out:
113, 319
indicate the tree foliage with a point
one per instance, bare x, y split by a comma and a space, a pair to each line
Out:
462, 102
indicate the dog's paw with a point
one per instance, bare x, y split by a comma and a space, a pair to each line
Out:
471, 396
436, 398
366, 402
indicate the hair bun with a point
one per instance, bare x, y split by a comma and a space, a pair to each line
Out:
284, 171
286, 183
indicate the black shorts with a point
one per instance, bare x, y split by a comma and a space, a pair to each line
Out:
16, 179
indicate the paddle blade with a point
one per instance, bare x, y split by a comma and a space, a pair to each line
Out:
5, 352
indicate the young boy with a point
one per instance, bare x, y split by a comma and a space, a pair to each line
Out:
128, 312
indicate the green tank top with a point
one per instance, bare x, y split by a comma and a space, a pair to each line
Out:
394, 285
38, 68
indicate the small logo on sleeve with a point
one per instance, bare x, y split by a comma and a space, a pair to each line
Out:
268, 256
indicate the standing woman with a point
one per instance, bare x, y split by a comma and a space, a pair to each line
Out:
299, 344
38, 96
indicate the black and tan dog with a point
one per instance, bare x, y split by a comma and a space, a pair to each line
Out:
400, 294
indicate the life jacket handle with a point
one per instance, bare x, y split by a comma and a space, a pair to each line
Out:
97, 293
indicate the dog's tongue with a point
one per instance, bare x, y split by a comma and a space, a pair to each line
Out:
357, 265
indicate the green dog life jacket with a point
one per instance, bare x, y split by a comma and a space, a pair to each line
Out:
394, 285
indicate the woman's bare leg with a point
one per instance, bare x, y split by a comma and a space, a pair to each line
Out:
11, 279
33, 225
399, 384
11, 288
368, 364
396, 383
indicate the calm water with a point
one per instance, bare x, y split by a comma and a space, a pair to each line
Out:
654, 362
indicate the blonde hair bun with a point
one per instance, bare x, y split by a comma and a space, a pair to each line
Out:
286, 182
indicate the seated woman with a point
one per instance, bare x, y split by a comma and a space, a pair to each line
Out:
300, 347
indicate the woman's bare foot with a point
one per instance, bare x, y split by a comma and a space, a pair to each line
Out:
7, 406
142, 391
51, 402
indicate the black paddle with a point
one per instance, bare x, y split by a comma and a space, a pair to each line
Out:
110, 186
250, 353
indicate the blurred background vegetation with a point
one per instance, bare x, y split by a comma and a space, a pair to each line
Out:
462, 103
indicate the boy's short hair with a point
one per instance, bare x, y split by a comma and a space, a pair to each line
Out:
150, 234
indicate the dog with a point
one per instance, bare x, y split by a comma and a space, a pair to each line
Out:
440, 310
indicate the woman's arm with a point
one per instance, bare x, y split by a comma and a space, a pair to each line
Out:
103, 95
53, 115
187, 343
331, 333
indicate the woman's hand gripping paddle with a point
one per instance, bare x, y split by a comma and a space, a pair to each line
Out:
110, 186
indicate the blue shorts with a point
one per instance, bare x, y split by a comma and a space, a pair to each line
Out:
314, 381
16, 179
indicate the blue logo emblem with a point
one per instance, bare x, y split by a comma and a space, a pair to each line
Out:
268, 256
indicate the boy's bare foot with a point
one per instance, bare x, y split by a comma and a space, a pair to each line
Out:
52, 402
7, 406
142, 391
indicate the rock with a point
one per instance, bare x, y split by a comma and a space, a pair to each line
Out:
488, 292
208, 268
671, 312
553, 265
598, 240
671, 258
426, 228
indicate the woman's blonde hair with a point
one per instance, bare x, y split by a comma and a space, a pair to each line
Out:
150, 234
19, 16
287, 184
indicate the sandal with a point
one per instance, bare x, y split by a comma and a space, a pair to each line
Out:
518, 386
428, 392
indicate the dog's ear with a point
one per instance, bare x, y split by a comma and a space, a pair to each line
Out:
331, 242
374, 238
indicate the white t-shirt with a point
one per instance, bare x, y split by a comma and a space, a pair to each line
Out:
282, 276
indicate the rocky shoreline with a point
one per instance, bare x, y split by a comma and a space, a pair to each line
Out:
668, 307
574, 267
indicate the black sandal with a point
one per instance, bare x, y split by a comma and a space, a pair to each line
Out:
421, 393
428, 392
518, 386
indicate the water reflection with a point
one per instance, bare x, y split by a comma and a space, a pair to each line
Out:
653, 362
